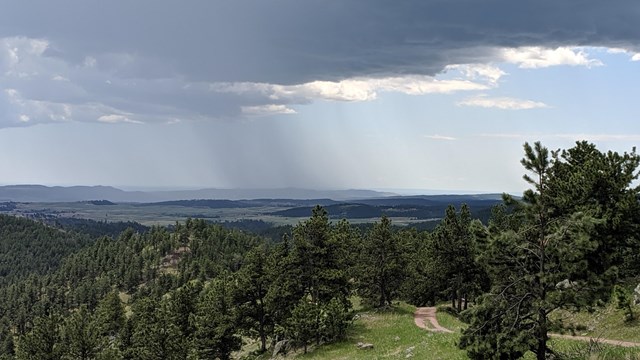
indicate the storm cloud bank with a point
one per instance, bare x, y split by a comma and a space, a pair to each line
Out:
167, 61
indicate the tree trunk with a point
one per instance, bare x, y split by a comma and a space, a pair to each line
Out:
261, 330
465, 302
459, 301
317, 327
541, 352
263, 338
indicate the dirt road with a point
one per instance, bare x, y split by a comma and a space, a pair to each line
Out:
603, 341
428, 314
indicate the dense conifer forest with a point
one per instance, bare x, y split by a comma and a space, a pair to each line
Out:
197, 290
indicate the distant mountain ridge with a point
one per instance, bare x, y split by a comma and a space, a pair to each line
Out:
41, 193
426, 207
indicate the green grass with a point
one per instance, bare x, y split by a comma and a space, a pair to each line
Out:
168, 214
607, 322
450, 322
394, 335
577, 350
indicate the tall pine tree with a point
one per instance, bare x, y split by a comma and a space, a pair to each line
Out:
557, 251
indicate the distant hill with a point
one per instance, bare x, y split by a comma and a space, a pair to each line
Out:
416, 207
202, 203
435, 200
233, 204
40, 193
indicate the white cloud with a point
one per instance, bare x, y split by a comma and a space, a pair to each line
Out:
616, 51
33, 111
59, 78
90, 62
16, 54
420, 85
350, 89
440, 137
265, 110
505, 103
634, 56
485, 72
117, 118
533, 57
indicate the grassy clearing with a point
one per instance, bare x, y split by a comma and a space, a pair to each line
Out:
607, 322
394, 336
578, 350
450, 322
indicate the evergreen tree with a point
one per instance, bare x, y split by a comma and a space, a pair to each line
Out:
153, 335
110, 315
625, 302
382, 264
181, 306
423, 280
454, 252
303, 324
215, 323
316, 258
284, 291
42, 342
80, 335
252, 285
336, 318
315, 271
7, 347
557, 252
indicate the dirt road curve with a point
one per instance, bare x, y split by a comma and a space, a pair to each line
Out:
428, 314
604, 341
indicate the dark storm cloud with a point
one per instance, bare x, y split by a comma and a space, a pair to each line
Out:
292, 41
148, 56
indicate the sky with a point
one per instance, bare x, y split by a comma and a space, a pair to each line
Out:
407, 95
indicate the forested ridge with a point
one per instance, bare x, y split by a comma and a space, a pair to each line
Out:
198, 290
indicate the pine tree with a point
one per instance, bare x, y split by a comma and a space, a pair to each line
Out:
181, 305
335, 321
7, 347
284, 291
453, 250
110, 315
557, 251
42, 342
153, 335
316, 258
252, 286
80, 335
382, 264
422, 283
303, 324
316, 272
215, 323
